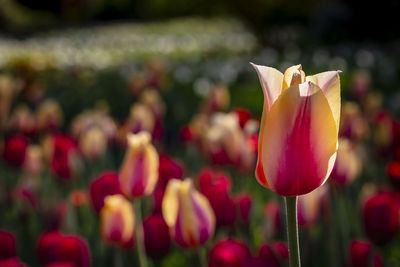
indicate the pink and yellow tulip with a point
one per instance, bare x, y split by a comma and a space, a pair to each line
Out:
188, 214
117, 220
299, 129
139, 172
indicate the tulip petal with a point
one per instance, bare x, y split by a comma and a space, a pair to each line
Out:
300, 143
293, 75
271, 82
329, 82
170, 203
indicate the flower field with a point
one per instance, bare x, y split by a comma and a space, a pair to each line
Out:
137, 145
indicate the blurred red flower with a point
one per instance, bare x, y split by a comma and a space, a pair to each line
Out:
157, 239
393, 171
12, 262
14, 150
55, 247
381, 217
362, 255
7, 245
106, 184
229, 253
274, 255
244, 116
63, 156
216, 187
244, 203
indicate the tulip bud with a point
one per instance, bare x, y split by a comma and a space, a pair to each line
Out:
347, 165
362, 255
381, 217
14, 150
393, 171
106, 184
33, 164
117, 220
244, 203
139, 172
273, 221
7, 245
187, 213
54, 247
310, 205
93, 143
229, 253
299, 129
275, 255
157, 240
12, 262
49, 115
61, 150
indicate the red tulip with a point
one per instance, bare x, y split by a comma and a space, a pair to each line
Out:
229, 253
14, 150
273, 256
381, 217
54, 247
216, 186
299, 129
393, 171
63, 154
244, 116
362, 255
8, 245
12, 262
105, 185
168, 169
244, 203
157, 239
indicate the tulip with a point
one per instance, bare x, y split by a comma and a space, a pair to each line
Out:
273, 222
347, 165
7, 245
49, 115
216, 188
310, 206
273, 255
243, 115
14, 150
229, 253
187, 213
139, 172
12, 262
244, 204
33, 164
54, 247
362, 255
298, 136
393, 171
78, 198
299, 129
117, 220
353, 124
106, 184
157, 240
62, 152
93, 143
381, 217
22, 120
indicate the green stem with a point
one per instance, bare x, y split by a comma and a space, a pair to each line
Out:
118, 262
202, 256
139, 234
292, 231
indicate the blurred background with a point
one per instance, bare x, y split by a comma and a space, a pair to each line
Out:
77, 75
